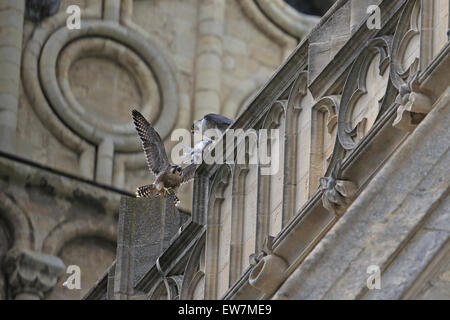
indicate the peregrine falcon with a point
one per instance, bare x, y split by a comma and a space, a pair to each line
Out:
211, 121
168, 177
208, 122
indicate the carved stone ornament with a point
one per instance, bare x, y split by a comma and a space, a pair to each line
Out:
338, 193
413, 106
30, 274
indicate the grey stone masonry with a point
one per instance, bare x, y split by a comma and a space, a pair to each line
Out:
146, 227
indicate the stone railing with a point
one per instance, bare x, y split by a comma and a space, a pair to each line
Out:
344, 101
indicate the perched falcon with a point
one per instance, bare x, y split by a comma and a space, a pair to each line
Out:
168, 177
211, 121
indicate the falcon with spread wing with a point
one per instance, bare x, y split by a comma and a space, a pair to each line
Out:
168, 177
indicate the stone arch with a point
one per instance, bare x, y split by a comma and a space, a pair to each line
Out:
293, 109
323, 138
295, 23
17, 222
274, 119
237, 219
214, 243
252, 11
194, 273
79, 228
88, 243
16, 230
166, 289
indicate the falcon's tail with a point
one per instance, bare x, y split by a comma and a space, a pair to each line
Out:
146, 191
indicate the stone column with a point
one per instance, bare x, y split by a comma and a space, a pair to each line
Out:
146, 226
31, 275
208, 64
105, 157
11, 30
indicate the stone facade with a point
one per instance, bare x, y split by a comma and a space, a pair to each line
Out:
68, 148
363, 180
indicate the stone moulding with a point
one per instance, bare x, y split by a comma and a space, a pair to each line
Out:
39, 73
126, 58
123, 137
32, 85
69, 230
21, 228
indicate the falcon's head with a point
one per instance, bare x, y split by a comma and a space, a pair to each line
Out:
176, 170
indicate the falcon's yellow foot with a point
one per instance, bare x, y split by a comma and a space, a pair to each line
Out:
167, 190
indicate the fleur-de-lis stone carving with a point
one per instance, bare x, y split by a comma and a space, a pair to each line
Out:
337, 193
413, 105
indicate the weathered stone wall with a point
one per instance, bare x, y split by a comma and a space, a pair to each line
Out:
66, 97
61, 216
213, 68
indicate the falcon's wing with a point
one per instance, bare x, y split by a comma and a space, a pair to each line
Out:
152, 144
218, 118
188, 173
221, 122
